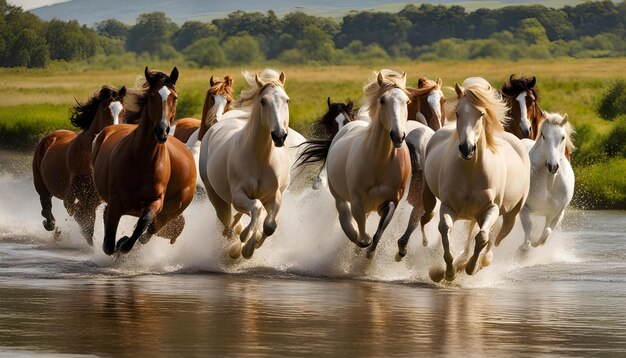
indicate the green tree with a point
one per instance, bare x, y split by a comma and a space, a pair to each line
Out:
69, 41
192, 31
383, 28
112, 28
206, 52
242, 50
151, 34
29, 49
532, 32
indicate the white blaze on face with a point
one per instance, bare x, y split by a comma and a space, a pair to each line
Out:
524, 123
220, 104
434, 101
116, 109
340, 119
164, 92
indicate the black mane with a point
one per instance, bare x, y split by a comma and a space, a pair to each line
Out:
515, 86
139, 97
82, 114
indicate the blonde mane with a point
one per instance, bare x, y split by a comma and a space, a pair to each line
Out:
557, 119
373, 90
482, 95
268, 77
425, 86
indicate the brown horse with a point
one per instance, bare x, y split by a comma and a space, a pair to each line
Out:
139, 172
62, 161
427, 103
218, 100
522, 97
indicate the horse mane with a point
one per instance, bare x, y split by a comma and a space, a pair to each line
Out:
321, 126
139, 96
268, 76
373, 90
515, 86
425, 86
482, 95
557, 119
83, 114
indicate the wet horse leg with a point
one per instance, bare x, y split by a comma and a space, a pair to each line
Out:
429, 202
222, 209
112, 215
527, 225
125, 244
551, 224
269, 224
485, 223
461, 260
360, 216
415, 198
446, 220
386, 213
345, 219
253, 208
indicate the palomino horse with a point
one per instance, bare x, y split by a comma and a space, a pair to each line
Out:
62, 161
367, 163
489, 178
139, 172
427, 103
338, 115
522, 97
244, 162
552, 177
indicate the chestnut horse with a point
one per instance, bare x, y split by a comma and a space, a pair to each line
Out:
367, 161
62, 161
522, 98
427, 103
139, 171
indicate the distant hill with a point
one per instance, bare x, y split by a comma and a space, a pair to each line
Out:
91, 11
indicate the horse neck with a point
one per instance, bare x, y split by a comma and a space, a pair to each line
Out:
257, 138
513, 125
379, 139
206, 122
144, 140
97, 125
535, 120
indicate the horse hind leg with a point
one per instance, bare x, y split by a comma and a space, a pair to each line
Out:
345, 219
386, 213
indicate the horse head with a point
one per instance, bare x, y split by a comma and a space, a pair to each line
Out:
273, 104
338, 115
391, 105
433, 109
522, 96
161, 101
103, 108
555, 135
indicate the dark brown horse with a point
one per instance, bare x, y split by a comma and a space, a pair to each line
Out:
62, 161
522, 97
427, 103
338, 115
139, 171
218, 100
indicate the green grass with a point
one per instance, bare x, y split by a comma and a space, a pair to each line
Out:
602, 185
21, 126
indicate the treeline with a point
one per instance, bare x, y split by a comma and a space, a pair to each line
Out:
591, 29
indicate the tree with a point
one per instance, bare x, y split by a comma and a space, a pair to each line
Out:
192, 31
205, 52
69, 41
532, 32
112, 28
151, 33
374, 27
29, 49
242, 50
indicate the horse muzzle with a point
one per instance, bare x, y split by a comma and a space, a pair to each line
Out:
396, 139
552, 168
467, 151
525, 133
161, 132
279, 137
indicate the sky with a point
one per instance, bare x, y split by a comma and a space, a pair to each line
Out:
31, 4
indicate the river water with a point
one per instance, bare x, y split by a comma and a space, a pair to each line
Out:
307, 291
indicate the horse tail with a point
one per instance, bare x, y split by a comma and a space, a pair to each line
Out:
314, 151
45, 197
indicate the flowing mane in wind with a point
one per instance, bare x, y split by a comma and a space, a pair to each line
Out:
267, 77
83, 113
374, 89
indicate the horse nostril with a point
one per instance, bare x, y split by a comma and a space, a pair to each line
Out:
167, 130
403, 136
474, 147
460, 147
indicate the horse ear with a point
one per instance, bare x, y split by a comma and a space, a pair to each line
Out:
122, 92
511, 77
380, 78
458, 89
420, 82
148, 75
350, 105
565, 119
404, 76
439, 82
532, 83
328, 101
258, 80
174, 76
211, 82
282, 78
228, 80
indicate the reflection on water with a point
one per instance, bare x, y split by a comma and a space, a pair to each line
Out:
308, 291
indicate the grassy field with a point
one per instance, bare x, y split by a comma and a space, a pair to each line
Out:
34, 102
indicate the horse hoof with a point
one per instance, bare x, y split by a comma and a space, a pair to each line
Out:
49, 224
363, 244
235, 250
369, 254
89, 241
108, 250
248, 248
144, 239
259, 241
424, 242
486, 259
436, 273
470, 268
124, 245
450, 273
401, 253
172, 241
238, 228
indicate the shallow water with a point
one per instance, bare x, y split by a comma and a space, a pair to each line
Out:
307, 291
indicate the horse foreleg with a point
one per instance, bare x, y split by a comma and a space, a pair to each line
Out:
46, 211
527, 225
223, 210
414, 220
360, 216
429, 202
461, 260
269, 224
125, 244
485, 223
345, 219
446, 219
112, 215
386, 213
551, 224
253, 208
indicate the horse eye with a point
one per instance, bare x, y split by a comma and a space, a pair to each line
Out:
562, 138
262, 102
382, 101
407, 102
542, 137
288, 100
482, 114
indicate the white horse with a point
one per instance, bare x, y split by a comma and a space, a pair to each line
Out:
552, 177
367, 162
478, 172
244, 163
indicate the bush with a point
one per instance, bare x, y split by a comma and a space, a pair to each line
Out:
614, 101
615, 143
206, 52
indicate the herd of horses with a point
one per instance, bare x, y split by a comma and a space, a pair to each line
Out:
483, 154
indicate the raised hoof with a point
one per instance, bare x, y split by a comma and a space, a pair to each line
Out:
144, 239
470, 268
235, 250
401, 253
238, 228
436, 273
486, 259
369, 254
49, 224
172, 241
362, 244
248, 248
538, 243
124, 245
259, 241
108, 250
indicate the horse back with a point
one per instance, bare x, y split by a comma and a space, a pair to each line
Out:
185, 127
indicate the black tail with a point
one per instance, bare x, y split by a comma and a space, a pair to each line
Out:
315, 150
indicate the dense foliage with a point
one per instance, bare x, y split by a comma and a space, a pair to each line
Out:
591, 29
